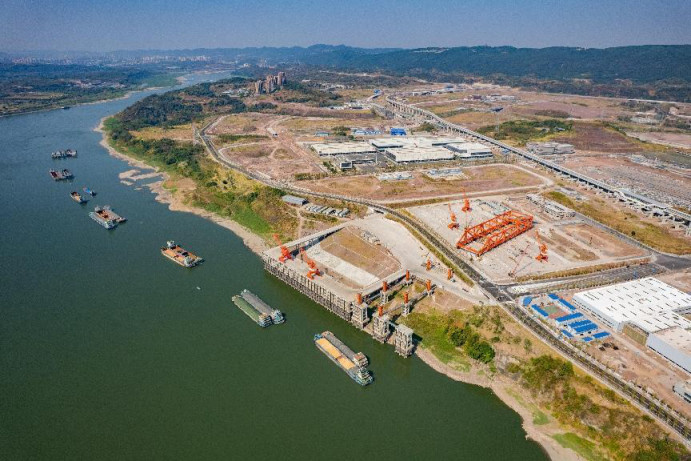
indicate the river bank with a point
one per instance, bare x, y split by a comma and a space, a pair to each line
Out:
176, 203
508, 393
538, 433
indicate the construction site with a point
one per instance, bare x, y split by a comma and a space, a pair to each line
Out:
369, 272
518, 237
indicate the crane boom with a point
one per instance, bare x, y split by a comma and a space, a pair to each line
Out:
454, 223
285, 253
542, 256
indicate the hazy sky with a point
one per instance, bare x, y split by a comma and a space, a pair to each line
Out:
99, 25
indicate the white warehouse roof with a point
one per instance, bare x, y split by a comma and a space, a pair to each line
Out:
648, 303
343, 148
420, 154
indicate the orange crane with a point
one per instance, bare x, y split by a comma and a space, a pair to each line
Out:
285, 253
512, 274
466, 203
542, 256
454, 223
310, 262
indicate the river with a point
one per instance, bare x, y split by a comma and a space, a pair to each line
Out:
110, 351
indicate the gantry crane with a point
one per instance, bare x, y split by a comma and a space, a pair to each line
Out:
285, 253
310, 262
542, 256
466, 203
454, 223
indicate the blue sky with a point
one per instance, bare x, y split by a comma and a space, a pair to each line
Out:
97, 25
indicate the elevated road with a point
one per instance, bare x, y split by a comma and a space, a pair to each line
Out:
407, 109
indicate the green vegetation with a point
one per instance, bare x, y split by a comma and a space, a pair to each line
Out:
583, 447
25, 88
340, 130
626, 222
226, 193
232, 138
426, 127
526, 130
602, 424
297, 92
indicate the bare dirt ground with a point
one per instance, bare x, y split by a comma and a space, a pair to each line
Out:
183, 133
480, 179
592, 137
571, 244
622, 172
349, 245
681, 140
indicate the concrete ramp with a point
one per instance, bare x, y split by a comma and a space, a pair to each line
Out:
341, 267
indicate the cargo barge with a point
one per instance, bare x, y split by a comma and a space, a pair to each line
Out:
69, 153
78, 198
106, 217
256, 309
344, 357
59, 175
178, 254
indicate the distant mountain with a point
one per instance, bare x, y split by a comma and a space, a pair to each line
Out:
642, 64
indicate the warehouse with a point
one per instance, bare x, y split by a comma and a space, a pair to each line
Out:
470, 150
674, 344
419, 154
648, 303
343, 148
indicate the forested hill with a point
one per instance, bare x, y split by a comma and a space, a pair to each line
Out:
641, 64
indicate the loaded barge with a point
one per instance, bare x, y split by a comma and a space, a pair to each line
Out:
59, 175
256, 309
64, 153
352, 363
178, 254
106, 217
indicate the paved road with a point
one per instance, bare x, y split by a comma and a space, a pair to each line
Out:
653, 406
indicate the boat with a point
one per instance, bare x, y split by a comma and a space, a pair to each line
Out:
106, 217
259, 318
256, 309
56, 175
66, 174
344, 357
107, 223
89, 191
176, 253
69, 153
77, 197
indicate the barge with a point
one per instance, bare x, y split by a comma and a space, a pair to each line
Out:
179, 255
256, 309
69, 153
344, 357
59, 175
77, 197
106, 217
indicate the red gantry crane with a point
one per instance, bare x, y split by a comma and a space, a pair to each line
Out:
466, 203
454, 223
285, 253
310, 262
542, 256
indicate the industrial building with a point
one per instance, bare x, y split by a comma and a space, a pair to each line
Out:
419, 154
674, 344
397, 132
470, 150
550, 148
553, 208
343, 148
649, 304
293, 200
